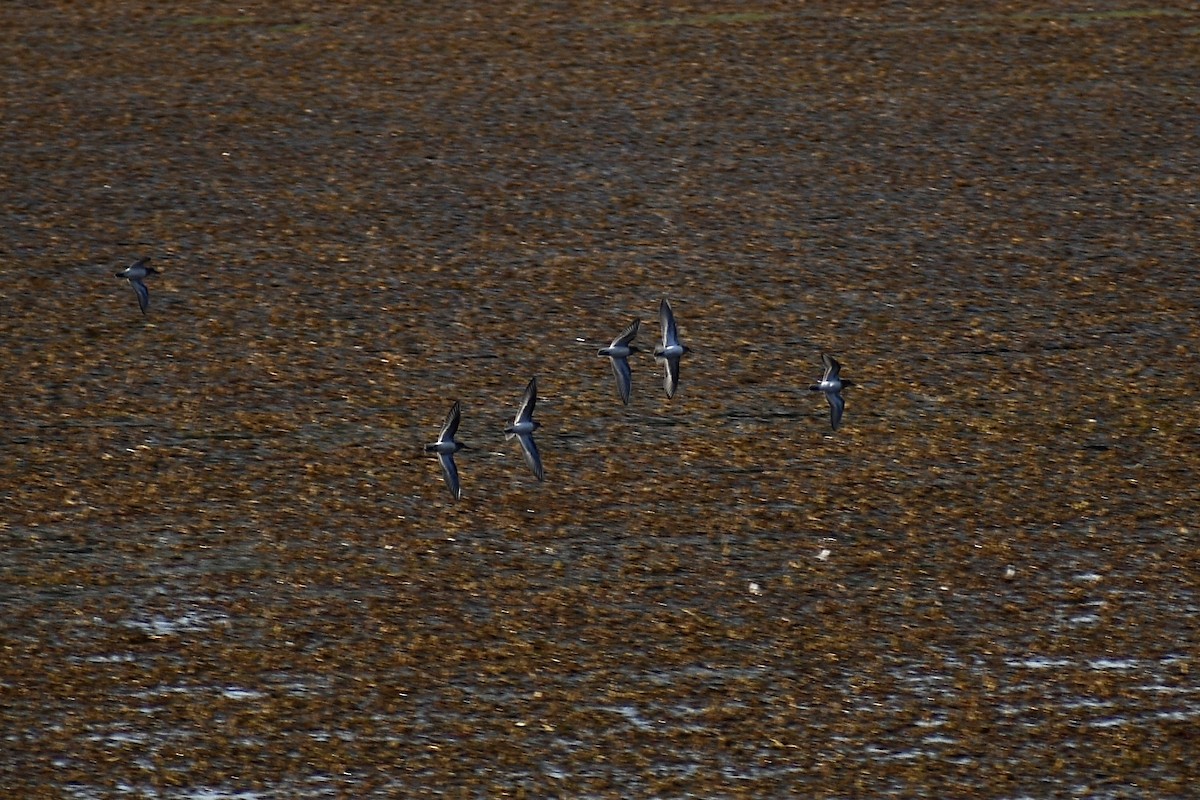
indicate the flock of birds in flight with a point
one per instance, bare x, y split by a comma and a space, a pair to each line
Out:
667, 353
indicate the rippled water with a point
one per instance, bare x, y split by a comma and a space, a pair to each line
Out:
231, 572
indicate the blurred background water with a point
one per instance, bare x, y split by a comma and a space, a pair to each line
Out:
230, 571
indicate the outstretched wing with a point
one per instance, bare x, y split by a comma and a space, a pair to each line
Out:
450, 471
667, 320
627, 335
624, 377
530, 451
528, 401
143, 294
671, 376
831, 366
836, 406
450, 426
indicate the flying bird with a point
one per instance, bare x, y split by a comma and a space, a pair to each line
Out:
832, 384
671, 350
136, 273
619, 352
446, 446
523, 427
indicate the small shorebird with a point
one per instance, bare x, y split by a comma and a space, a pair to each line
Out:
670, 351
523, 427
135, 273
619, 352
446, 447
832, 384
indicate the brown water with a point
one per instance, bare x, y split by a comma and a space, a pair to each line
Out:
230, 571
